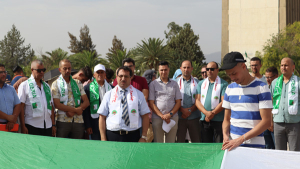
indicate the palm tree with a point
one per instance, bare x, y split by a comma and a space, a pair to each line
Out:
52, 59
150, 53
115, 59
86, 58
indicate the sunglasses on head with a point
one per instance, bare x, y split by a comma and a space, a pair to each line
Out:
40, 70
211, 69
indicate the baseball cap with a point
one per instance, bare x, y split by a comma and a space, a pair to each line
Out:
99, 67
231, 60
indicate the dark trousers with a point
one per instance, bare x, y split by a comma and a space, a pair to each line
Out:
70, 130
269, 139
192, 126
211, 132
130, 137
39, 131
95, 128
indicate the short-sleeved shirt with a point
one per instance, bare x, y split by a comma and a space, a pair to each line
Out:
207, 104
38, 122
15, 79
8, 100
245, 102
70, 102
188, 100
164, 95
137, 82
263, 79
142, 107
283, 115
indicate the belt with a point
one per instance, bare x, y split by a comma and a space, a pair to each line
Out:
123, 132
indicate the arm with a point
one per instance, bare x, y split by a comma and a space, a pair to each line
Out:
201, 107
154, 108
146, 93
258, 129
10, 118
22, 119
65, 108
53, 121
102, 127
226, 125
145, 126
83, 105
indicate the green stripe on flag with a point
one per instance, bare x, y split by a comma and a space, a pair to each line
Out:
30, 151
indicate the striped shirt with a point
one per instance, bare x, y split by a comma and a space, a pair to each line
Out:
245, 102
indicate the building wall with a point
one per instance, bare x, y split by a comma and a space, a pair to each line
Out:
251, 24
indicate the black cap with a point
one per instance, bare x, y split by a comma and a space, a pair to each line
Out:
231, 60
17, 68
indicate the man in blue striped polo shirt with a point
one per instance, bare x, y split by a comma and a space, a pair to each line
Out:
248, 105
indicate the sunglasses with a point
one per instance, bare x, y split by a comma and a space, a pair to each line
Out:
203, 72
40, 70
211, 69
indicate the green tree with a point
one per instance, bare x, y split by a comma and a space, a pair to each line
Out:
174, 30
13, 51
285, 44
184, 46
85, 42
150, 52
115, 61
117, 45
86, 58
51, 59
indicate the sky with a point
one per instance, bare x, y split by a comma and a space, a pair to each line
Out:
45, 24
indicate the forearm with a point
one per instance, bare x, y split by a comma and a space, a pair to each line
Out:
3, 115
218, 109
17, 110
53, 116
102, 127
226, 127
146, 94
154, 108
145, 124
22, 113
64, 108
258, 129
200, 107
176, 107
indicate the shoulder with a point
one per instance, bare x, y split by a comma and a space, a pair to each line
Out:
224, 82
200, 82
257, 83
140, 94
87, 87
23, 84
78, 81
9, 87
233, 85
54, 83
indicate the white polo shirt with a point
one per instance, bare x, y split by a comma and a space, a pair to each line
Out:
38, 122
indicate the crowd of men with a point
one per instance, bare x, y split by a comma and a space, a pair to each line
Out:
207, 110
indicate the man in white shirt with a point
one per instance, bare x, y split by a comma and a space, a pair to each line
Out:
37, 111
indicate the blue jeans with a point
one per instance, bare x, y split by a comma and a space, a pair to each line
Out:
269, 139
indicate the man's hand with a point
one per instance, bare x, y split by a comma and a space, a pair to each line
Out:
168, 121
142, 140
206, 119
185, 112
70, 114
24, 130
166, 116
225, 138
232, 143
10, 125
103, 139
271, 128
78, 110
12, 118
53, 131
89, 131
210, 115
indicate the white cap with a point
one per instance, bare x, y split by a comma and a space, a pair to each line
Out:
99, 67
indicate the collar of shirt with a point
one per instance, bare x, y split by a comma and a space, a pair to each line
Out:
5, 85
159, 80
127, 89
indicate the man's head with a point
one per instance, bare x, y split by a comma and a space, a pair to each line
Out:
287, 66
234, 65
186, 68
37, 69
255, 64
84, 74
203, 72
109, 74
164, 70
124, 75
65, 68
212, 70
129, 63
3, 74
99, 73
18, 71
271, 74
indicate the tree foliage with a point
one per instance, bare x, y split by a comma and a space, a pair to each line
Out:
84, 44
285, 44
13, 51
150, 52
174, 30
115, 61
184, 46
86, 58
116, 45
51, 59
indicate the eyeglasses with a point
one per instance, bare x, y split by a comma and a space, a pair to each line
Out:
269, 77
40, 70
3, 72
203, 72
121, 76
211, 69
130, 66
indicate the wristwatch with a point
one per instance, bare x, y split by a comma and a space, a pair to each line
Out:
144, 137
171, 113
190, 110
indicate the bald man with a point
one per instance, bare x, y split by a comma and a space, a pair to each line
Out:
37, 112
286, 116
